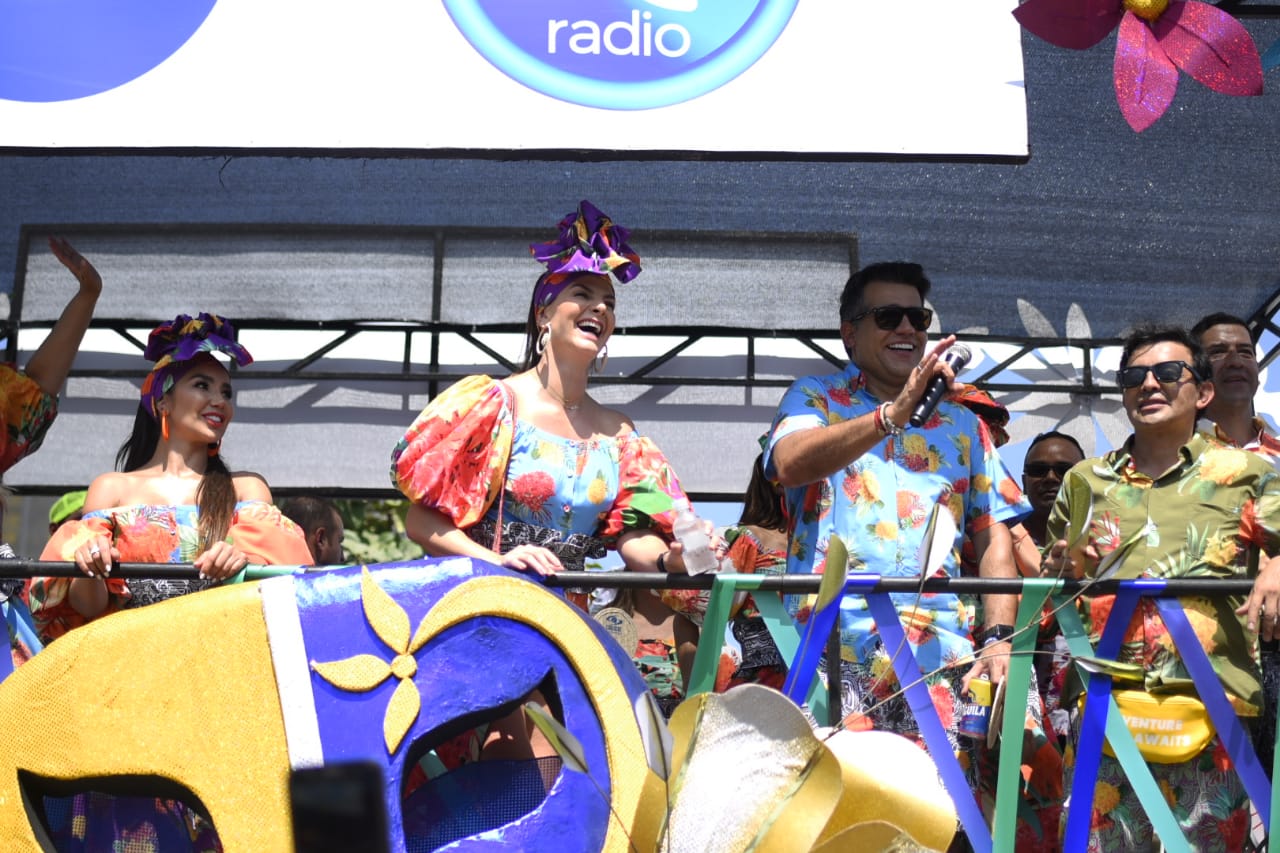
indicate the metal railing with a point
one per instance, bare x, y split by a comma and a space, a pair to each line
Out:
1102, 718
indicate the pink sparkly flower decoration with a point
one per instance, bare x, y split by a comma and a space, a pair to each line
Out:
1156, 38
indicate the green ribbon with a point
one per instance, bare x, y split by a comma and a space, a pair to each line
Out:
1273, 838
785, 634
257, 573
1017, 685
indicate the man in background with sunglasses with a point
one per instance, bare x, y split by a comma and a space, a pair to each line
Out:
1230, 418
853, 467
1050, 455
1170, 503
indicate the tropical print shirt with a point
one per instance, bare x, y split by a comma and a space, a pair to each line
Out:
1265, 445
156, 534
26, 411
467, 447
880, 506
1207, 516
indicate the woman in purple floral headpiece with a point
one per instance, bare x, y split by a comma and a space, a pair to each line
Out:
530, 472
172, 500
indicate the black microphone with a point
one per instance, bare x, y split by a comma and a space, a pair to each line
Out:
958, 356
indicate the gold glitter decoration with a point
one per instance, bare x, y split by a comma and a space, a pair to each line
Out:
750, 732
1148, 10
361, 673
891, 790
847, 791
204, 712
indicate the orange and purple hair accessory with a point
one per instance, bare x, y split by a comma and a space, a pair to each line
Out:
172, 345
589, 243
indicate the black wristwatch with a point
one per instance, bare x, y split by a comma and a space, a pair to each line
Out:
994, 634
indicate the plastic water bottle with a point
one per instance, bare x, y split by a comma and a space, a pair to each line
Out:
691, 532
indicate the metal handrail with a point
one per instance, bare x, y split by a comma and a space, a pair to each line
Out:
786, 584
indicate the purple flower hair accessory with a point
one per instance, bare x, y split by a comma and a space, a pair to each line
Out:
172, 344
589, 242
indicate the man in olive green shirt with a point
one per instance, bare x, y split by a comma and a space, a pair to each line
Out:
1184, 507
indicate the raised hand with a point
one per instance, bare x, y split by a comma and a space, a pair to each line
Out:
79, 266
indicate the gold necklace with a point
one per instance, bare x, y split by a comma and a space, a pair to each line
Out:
559, 398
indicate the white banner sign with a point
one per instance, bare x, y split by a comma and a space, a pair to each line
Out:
823, 76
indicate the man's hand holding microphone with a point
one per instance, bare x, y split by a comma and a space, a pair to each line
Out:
930, 381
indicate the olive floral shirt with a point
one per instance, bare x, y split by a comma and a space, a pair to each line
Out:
1207, 516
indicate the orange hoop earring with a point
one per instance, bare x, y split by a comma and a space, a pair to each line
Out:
164, 425
213, 449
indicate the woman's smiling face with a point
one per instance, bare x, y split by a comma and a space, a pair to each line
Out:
583, 313
200, 405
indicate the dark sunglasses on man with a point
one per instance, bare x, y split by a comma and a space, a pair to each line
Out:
1166, 372
889, 317
1042, 469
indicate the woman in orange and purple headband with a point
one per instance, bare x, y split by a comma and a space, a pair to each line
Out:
530, 472
172, 499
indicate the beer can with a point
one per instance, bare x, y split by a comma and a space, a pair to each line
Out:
975, 714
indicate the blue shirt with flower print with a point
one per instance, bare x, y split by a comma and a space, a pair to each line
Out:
880, 506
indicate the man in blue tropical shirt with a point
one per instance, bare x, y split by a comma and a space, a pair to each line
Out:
851, 465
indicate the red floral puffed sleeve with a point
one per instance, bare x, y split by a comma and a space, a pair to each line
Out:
267, 536
647, 486
26, 412
453, 458
51, 612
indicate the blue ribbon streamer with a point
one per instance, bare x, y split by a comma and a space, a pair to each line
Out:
1096, 720
786, 636
18, 619
804, 668
6, 654
1233, 736
917, 694
1093, 724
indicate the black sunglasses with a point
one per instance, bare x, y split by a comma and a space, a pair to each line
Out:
889, 317
1042, 469
1166, 372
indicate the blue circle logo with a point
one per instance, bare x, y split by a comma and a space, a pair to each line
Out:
59, 50
622, 55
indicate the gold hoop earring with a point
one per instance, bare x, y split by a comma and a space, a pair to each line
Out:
602, 359
540, 345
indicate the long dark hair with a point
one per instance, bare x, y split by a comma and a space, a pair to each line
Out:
762, 505
216, 494
531, 333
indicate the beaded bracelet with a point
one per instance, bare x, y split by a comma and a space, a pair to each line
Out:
887, 425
